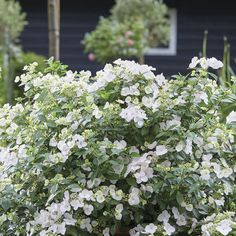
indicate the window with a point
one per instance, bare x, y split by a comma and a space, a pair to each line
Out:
170, 50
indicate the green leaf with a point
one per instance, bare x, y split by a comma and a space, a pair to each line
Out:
179, 198
131, 181
5, 203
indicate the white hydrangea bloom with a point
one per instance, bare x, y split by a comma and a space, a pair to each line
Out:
214, 63
201, 96
118, 211
86, 194
150, 229
134, 197
231, 117
133, 112
86, 224
224, 227
88, 209
169, 228
205, 174
120, 144
63, 147
194, 62
161, 150
164, 216
205, 63
106, 232
100, 196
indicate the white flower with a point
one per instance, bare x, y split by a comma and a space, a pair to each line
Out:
135, 68
132, 90
169, 228
134, 113
86, 194
86, 224
205, 174
119, 207
79, 140
58, 228
164, 216
147, 101
118, 211
63, 147
224, 227
160, 79
88, 209
231, 117
204, 63
194, 62
140, 166
201, 96
77, 203
150, 229
136, 231
69, 220
53, 142
207, 157
188, 147
180, 146
106, 232
97, 113
181, 220
134, 197
144, 174
100, 197
120, 144
161, 150
117, 195
175, 122
214, 63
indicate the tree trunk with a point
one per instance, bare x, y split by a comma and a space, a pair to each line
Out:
54, 28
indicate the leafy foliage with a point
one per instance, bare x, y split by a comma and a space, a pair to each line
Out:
114, 39
132, 27
152, 12
87, 155
17, 64
11, 18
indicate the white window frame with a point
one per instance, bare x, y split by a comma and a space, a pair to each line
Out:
171, 50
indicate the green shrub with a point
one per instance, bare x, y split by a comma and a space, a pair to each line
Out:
89, 155
132, 27
113, 39
152, 12
17, 65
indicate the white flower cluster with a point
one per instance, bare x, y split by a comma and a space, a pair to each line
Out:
205, 63
87, 155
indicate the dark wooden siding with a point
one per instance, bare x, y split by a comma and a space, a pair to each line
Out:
79, 17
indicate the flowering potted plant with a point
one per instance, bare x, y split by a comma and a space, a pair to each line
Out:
114, 39
132, 27
125, 149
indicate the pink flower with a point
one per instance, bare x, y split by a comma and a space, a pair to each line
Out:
128, 33
91, 56
130, 42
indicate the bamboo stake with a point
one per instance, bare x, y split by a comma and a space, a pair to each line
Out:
141, 60
54, 28
6, 67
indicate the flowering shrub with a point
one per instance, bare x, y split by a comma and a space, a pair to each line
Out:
89, 155
114, 39
132, 27
152, 12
